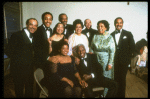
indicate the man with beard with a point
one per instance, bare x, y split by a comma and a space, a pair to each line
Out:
88, 31
41, 38
68, 27
125, 46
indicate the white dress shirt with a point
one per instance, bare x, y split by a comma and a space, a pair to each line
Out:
28, 34
47, 32
117, 36
85, 63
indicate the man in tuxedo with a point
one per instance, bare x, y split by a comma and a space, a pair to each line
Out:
20, 49
88, 31
68, 27
41, 39
91, 71
125, 47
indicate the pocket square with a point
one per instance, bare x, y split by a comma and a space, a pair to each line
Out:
124, 37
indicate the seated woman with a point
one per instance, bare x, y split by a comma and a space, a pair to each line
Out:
56, 39
64, 78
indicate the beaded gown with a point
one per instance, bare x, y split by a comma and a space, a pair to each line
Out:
104, 47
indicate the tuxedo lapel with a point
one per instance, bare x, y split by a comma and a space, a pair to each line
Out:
121, 38
114, 38
25, 37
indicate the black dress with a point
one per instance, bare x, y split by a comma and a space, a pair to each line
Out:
58, 71
55, 47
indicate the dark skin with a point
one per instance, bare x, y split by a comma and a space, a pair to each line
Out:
81, 54
64, 58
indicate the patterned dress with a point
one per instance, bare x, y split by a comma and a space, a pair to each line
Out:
104, 47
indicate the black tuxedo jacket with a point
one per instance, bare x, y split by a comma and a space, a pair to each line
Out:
91, 31
125, 47
93, 66
70, 30
41, 44
21, 51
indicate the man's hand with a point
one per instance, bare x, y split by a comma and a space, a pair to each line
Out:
87, 77
83, 84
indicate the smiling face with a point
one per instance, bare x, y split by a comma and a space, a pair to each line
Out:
60, 28
101, 28
63, 19
88, 24
81, 51
119, 24
78, 28
64, 50
47, 21
32, 25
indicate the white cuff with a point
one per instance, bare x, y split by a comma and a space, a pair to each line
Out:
92, 75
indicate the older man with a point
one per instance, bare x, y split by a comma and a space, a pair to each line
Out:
63, 18
91, 71
88, 31
20, 49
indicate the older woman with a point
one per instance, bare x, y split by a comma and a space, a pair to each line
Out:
103, 45
77, 38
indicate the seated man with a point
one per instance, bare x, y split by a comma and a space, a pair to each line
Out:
90, 71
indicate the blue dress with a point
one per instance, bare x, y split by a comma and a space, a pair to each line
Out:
104, 47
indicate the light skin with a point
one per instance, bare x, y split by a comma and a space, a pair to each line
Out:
78, 29
88, 23
64, 19
47, 20
32, 25
119, 24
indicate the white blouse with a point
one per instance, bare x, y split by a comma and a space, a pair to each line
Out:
75, 39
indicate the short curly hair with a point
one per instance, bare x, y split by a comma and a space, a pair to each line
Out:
77, 21
105, 23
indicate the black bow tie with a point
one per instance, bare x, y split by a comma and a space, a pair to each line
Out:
31, 35
117, 31
84, 59
65, 27
47, 28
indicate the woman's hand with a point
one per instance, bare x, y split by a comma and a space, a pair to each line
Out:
70, 83
77, 61
49, 41
109, 67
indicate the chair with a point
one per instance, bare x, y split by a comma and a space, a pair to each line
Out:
38, 76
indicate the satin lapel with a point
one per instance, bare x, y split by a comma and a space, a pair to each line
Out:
25, 37
88, 60
121, 38
44, 32
114, 38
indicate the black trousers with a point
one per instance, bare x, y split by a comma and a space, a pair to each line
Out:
102, 82
120, 72
23, 78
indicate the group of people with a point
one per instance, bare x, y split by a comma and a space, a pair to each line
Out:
73, 60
